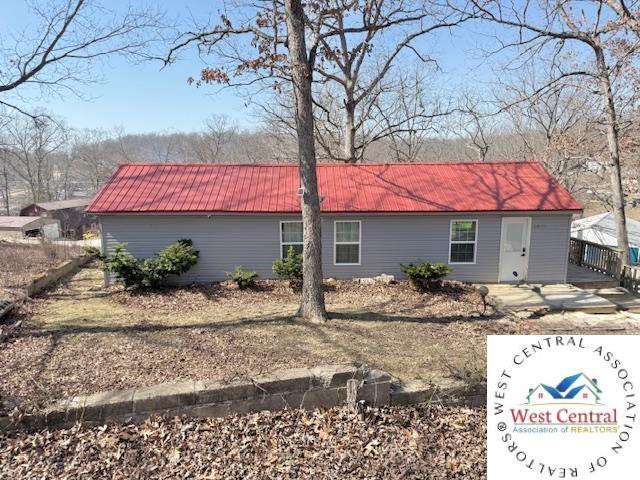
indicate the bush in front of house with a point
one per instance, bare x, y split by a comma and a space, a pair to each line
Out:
425, 276
290, 268
174, 259
243, 278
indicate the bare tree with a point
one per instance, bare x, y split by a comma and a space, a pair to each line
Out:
275, 36
61, 52
361, 43
219, 132
301, 63
552, 28
91, 154
4, 168
364, 41
405, 122
475, 124
4, 178
557, 126
35, 155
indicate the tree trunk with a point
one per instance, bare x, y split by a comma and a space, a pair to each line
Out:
349, 147
5, 188
614, 155
312, 299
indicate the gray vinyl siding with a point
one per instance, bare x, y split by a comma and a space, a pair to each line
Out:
386, 241
549, 256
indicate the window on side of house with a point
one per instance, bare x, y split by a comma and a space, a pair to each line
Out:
463, 241
347, 242
290, 237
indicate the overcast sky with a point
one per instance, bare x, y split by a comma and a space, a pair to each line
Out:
145, 98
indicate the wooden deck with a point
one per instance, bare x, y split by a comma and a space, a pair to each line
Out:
584, 277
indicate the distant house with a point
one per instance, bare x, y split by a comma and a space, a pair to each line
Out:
491, 222
601, 229
74, 222
20, 227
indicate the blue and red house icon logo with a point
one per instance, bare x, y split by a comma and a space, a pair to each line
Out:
578, 388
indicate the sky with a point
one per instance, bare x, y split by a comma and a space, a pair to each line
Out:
145, 97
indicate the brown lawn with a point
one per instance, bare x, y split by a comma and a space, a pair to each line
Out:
20, 262
81, 338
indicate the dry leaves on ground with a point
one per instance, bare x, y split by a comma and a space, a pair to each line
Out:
454, 299
20, 262
390, 443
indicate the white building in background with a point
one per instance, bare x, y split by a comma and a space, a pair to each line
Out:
601, 229
21, 227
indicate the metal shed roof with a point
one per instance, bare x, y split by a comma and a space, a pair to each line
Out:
62, 204
360, 188
23, 223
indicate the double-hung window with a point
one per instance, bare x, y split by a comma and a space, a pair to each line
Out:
463, 241
290, 237
347, 237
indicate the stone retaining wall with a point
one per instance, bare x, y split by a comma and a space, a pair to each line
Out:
307, 388
44, 280
52, 275
445, 392
294, 388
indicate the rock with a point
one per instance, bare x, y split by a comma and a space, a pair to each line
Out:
385, 278
229, 285
330, 280
382, 278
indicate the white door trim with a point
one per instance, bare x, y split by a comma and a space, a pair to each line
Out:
528, 246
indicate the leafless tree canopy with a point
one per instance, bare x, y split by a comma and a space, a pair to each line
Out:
565, 92
60, 52
36, 156
592, 42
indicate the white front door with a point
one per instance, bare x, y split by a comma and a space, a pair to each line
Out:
514, 248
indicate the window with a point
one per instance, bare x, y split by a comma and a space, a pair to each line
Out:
347, 242
290, 236
462, 246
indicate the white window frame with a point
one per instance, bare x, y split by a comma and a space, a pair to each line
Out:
336, 243
282, 244
452, 242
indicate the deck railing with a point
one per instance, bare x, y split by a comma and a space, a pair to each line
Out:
631, 278
596, 257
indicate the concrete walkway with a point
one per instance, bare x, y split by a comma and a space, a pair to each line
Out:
621, 297
562, 297
621, 323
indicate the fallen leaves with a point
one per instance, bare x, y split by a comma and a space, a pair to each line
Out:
392, 442
23, 262
79, 339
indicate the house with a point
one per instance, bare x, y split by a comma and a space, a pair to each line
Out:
20, 227
601, 229
492, 222
74, 222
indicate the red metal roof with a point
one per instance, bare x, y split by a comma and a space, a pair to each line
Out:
397, 188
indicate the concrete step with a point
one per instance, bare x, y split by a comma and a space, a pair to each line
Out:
596, 284
555, 297
621, 297
571, 298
